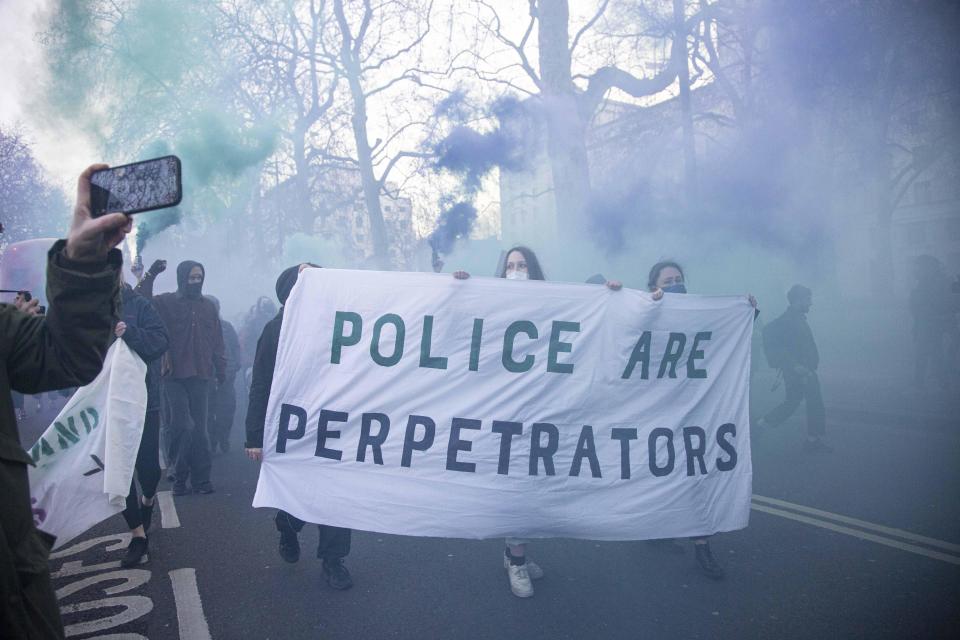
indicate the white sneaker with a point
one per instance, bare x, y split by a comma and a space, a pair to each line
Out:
520, 583
532, 567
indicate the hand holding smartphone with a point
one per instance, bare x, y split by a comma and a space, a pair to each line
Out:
133, 188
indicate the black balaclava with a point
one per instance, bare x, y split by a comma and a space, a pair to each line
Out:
286, 281
183, 273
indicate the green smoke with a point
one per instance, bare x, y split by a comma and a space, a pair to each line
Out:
145, 78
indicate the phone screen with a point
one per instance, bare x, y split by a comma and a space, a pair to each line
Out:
141, 186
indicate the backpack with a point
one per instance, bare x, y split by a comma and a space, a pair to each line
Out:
773, 346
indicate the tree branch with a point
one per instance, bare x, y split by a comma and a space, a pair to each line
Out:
590, 23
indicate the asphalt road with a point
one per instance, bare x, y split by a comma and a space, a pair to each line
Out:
891, 572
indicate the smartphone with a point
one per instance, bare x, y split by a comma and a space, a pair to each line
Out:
140, 186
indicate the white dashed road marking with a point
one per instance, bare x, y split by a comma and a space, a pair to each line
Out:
186, 595
168, 510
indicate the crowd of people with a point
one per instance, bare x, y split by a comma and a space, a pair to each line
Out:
197, 363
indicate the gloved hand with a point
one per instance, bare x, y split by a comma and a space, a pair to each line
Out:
158, 267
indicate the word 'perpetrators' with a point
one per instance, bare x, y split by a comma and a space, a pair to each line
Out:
419, 435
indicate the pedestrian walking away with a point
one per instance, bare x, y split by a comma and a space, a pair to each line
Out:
789, 346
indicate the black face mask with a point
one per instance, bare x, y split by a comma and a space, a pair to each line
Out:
192, 289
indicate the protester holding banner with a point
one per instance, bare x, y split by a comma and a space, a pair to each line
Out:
334, 543
521, 263
144, 332
196, 358
40, 353
667, 276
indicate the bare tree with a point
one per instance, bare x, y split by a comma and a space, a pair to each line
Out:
375, 48
285, 77
570, 100
30, 207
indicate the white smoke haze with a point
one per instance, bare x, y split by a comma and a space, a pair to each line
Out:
800, 173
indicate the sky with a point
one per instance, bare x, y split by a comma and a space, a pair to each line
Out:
61, 149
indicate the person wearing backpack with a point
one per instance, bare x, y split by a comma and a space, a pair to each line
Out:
789, 346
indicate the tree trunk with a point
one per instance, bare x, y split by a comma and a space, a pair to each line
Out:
566, 125
690, 186
301, 181
371, 186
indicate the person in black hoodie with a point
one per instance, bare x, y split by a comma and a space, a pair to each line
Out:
144, 332
223, 397
194, 360
334, 544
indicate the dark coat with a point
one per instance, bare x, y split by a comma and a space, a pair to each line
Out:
64, 349
264, 362
147, 336
232, 349
196, 337
791, 341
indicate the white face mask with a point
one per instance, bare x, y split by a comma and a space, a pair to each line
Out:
518, 275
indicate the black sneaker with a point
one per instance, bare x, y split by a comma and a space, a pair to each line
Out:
337, 575
289, 547
708, 565
180, 490
205, 488
146, 514
135, 553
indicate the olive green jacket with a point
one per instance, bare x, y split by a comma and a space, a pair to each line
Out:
64, 349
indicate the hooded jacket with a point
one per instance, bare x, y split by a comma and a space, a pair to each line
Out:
264, 362
231, 343
147, 336
196, 337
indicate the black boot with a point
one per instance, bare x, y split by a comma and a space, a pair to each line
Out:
708, 565
289, 546
135, 553
337, 575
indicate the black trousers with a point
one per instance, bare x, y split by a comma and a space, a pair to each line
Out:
147, 469
223, 410
334, 542
187, 399
28, 604
800, 388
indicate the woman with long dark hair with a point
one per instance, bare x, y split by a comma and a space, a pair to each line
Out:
668, 276
521, 263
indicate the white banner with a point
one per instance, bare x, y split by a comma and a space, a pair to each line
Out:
86, 458
418, 404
